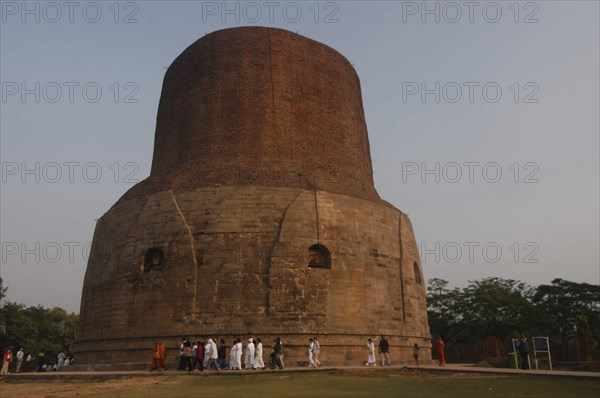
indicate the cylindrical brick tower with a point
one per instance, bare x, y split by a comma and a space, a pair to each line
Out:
259, 218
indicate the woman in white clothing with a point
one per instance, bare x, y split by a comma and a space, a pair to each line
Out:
258, 359
233, 357
311, 348
239, 353
371, 359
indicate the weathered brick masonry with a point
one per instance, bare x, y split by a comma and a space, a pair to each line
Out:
259, 218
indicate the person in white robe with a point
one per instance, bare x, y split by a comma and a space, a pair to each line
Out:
249, 360
239, 353
233, 358
311, 351
61, 360
207, 354
212, 355
311, 347
371, 359
258, 357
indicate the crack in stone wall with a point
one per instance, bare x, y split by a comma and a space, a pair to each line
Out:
194, 259
268, 259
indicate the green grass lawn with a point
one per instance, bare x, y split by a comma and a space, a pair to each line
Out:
333, 384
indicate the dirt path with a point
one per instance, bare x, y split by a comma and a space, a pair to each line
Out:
58, 389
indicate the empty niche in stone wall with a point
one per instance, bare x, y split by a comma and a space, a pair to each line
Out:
417, 272
152, 260
319, 257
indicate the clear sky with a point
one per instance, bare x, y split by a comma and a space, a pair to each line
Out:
483, 120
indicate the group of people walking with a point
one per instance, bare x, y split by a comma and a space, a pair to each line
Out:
206, 355
200, 355
31, 362
253, 358
314, 349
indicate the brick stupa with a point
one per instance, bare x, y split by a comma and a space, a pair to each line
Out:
259, 218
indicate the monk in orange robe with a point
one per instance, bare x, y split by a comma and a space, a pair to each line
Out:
159, 354
441, 350
162, 350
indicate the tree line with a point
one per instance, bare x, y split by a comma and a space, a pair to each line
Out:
566, 312
36, 328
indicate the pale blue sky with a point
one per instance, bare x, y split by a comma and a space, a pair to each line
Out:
554, 141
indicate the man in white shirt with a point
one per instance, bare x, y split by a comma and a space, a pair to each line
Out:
316, 352
20, 357
61, 360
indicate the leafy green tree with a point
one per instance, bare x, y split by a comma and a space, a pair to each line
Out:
570, 308
19, 330
487, 307
444, 309
36, 328
497, 307
504, 308
2, 290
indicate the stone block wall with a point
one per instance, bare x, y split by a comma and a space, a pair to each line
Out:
235, 263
